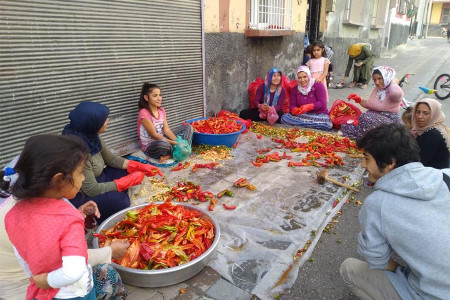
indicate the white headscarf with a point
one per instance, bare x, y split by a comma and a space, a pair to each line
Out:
305, 90
388, 74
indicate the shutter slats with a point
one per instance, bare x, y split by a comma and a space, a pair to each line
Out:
55, 54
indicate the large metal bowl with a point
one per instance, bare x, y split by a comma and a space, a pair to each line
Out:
165, 277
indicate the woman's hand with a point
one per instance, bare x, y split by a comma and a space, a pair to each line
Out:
40, 281
118, 248
354, 97
263, 106
87, 207
148, 170
359, 64
318, 80
172, 142
395, 80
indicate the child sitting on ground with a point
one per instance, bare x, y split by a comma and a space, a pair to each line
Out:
46, 231
155, 136
407, 117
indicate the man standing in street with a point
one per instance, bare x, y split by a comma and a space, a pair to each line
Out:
408, 212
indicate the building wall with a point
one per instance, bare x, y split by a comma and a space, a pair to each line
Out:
436, 11
398, 29
233, 60
340, 36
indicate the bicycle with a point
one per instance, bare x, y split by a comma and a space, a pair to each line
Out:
401, 82
442, 86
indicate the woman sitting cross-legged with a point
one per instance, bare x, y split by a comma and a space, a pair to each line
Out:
108, 176
382, 106
270, 94
308, 104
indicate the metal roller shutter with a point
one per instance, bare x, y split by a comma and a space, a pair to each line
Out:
55, 54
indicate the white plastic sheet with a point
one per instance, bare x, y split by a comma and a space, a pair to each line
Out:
262, 235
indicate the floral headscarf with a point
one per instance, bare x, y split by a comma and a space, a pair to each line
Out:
388, 74
307, 89
437, 119
267, 82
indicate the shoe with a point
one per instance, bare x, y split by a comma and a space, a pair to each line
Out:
363, 86
352, 84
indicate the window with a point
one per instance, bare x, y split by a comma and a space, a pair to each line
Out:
374, 16
354, 12
445, 16
379, 13
271, 14
403, 7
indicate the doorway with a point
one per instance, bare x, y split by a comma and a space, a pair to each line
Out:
313, 20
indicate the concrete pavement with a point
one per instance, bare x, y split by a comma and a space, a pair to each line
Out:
320, 279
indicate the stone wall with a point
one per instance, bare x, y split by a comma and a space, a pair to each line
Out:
233, 61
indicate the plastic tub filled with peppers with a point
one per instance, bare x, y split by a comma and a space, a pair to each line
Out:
169, 243
216, 131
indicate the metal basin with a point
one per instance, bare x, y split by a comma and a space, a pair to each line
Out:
165, 277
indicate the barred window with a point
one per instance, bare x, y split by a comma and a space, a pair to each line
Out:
403, 7
271, 14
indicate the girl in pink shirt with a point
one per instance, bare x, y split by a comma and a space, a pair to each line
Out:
46, 231
383, 104
318, 65
155, 136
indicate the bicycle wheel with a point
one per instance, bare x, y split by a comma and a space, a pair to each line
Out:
442, 86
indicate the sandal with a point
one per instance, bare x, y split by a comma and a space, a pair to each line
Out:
352, 84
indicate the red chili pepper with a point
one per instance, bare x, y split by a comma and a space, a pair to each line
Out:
177, 168
258, 136
335, 203
230, 207
257, 164
235, 145
241, 182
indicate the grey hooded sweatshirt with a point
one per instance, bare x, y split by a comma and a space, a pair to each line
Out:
409, 212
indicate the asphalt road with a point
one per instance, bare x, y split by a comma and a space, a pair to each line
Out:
320, 279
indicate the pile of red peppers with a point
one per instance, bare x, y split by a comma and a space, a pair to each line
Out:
160, 236
216, 125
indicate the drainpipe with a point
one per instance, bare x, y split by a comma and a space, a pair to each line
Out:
428, 17
203, 56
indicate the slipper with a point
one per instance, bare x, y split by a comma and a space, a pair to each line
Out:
154, 162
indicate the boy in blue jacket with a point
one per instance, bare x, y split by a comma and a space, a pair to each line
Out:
409, 213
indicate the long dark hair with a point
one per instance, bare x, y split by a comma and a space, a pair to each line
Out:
42, 157
321, 46
146, 89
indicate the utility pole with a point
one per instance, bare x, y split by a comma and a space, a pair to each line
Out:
430, 3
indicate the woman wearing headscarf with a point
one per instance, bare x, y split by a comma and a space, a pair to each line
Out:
431, 133
382, 106
361, 58
308, 103
107, 176
269, 94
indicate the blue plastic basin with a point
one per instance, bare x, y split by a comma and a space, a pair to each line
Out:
228, 139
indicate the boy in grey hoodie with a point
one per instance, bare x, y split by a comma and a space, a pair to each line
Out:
409, 212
